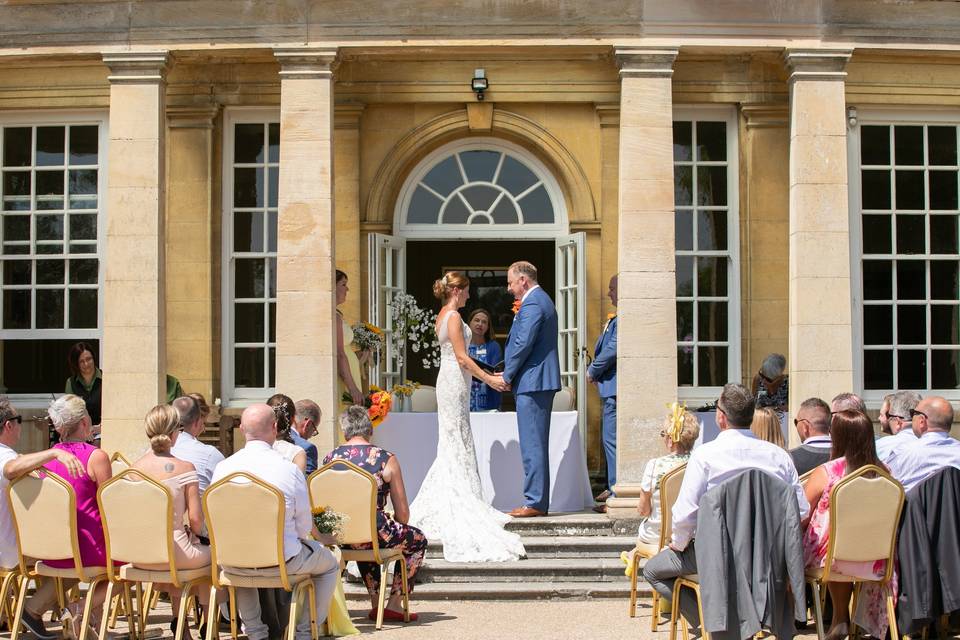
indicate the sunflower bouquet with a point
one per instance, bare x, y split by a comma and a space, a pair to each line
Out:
368, 337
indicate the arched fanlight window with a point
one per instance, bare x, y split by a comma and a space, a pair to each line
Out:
484, 188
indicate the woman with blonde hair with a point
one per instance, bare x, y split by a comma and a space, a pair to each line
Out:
766, 426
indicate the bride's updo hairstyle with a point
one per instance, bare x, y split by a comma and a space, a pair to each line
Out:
160, 425
451, 280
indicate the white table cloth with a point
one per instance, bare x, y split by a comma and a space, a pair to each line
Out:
412, 437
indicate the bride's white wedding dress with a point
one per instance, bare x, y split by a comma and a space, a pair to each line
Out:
450, 506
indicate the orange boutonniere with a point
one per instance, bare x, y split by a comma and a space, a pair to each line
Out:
516, 307
611, 316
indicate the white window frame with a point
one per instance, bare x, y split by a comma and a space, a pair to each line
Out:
436, 230
880, 116
231, 396
695, 395
65, 118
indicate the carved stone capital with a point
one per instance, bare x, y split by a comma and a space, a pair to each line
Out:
817, 64
306, 62
137, 67
766, 116
192, 116
608, 113
646, 62
347, 115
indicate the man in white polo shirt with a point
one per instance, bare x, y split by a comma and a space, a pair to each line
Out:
259, 427
933, 450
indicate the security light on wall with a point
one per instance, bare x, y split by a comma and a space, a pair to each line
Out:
479, 83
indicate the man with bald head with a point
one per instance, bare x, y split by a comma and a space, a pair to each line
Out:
259, 426
933, 450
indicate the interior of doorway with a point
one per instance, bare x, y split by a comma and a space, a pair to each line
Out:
485, 262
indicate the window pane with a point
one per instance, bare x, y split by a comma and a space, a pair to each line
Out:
273, 186
424, 207
16, 183
248, 322
17, 146
711, 276
908, 144
481, 197
712, 230
50, 227
943, 279
874, 145
273, 139
83, 308
515, 177
248, 231
536, 206
878, 370
505, 212
84, 144
83, 271
455, 212
875, 189
684, 265
248, 367
272, 335
480, 165
50, 309
272, 364
711, 186
445, 177
248, 143
945, 369
17, 271
943, 190
910, 190
683, 186
911, 369
50, 146
271, 277
50, 271
250, 277
877, 279
83, 227
685, 321
683, 230
876, 234
944, 324
712, 321
685, 366
16, 309
50, 183
943, 234
272, 231
711, 141
50, 249
911, 324
682, 142
942, 145
248, 187
911, 280
878, 324
911, 235
83, 181
712, 366
38, 366
16, 227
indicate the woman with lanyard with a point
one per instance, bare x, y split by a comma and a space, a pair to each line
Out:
485, 349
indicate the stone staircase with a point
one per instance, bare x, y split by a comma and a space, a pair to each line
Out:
573, 556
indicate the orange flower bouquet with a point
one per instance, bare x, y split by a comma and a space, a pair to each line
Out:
380, 402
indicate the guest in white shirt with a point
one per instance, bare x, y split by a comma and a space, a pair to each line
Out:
813, 427
259, 427
898, 425
12, 466
187, 447
734, 450
933, 450
285, 411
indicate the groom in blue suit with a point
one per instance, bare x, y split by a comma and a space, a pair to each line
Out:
532, 370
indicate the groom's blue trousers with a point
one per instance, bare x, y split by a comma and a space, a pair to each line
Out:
533, 421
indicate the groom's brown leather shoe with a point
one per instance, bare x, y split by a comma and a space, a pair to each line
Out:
527, 512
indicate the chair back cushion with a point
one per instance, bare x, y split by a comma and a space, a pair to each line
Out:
137, 514
349, 490
245, 521
669, 490
864, 515
44, 509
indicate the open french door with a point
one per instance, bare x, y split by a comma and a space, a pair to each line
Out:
571, 317
387, 276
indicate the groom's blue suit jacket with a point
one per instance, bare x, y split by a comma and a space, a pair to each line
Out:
531, 363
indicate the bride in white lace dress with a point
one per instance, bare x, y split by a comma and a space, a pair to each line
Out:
450, 506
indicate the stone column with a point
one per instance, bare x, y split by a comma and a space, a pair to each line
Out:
346, 187
820, 333
134, 332
192, 294
647, 338
306, 297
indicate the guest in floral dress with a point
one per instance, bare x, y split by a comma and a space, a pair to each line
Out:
853, 447
394, 531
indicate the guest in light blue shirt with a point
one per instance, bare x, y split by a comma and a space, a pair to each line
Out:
897, 410
933, 450
305, 423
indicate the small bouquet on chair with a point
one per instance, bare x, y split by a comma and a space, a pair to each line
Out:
330, 522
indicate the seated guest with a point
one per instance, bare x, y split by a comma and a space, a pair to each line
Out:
852, 448
933, 450
394, 531
12, 466
813, 426
734, 450
766, 426
180, 477
898, 424
847, 402
305, 421
186, 445
284, 410
883, 413
680, 431
485, 348
770, 383
259, 426
72, 422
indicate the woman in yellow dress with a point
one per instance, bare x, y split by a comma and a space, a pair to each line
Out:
348, 365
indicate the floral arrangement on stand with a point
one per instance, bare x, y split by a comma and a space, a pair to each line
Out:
413, 327
368, 337
329, 522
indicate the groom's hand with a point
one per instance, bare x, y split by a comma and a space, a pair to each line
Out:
499, 384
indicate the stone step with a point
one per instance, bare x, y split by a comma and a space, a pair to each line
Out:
568, 524
554, 546
526, 571
515, 591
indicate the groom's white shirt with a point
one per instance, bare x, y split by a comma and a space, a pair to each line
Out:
524, 296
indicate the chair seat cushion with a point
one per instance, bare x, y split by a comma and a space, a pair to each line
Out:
129, 572
816, 573
692, 577
89, 573
647, 550
260, 582
366, 555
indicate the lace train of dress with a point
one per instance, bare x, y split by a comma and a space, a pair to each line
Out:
450, 506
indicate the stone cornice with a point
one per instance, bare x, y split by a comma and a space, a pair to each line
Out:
765, 116
137, 67
608, 113
347, 116
817, 64
192, 117
646, 62
306, 62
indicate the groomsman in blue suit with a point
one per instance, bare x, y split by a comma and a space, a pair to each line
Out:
532, 370
603, 373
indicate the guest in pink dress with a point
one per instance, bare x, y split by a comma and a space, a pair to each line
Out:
853, 447
69, 417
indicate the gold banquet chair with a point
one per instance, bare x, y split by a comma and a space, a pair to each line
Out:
118, 463
669, 488
864, 519
137, 514
44, 512
347, 489
241, 541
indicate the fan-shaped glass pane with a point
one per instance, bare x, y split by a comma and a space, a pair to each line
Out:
445, 177
424, 207
505, 212
536, 207
455, 212
481, 219
480, 165
515, 177
481, 197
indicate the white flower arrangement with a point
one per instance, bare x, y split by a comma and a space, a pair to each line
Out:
413, 326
